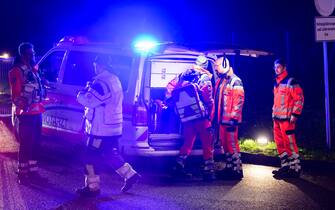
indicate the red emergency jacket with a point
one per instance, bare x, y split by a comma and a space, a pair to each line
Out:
26, 90
198, 76
229, 100
288, 97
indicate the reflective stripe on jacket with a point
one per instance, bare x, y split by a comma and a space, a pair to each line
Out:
229, 100
288, 98
103, 105
26, 90
200, 77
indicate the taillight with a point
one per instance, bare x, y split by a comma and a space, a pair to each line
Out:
140, 115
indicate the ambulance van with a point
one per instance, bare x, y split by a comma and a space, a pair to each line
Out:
150, 128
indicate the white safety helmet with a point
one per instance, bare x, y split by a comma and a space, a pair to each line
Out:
202, 61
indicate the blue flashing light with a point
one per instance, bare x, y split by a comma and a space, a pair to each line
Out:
145, 44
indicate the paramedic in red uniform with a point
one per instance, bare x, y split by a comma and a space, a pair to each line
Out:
226, 116
287, 107
27, 94
102, 99
201, 77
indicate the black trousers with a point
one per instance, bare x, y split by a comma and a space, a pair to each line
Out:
102, 150
28, 131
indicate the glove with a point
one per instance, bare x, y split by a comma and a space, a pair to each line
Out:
293, 119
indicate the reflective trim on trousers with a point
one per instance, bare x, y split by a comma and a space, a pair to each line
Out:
126, 171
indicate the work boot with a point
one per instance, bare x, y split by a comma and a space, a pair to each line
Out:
179, 172
235, 175
237, 172
208, 171
23, 179
282, 173
91, 188
128, 183
280, 170
295, 167
284, 164
86, 192
129, 175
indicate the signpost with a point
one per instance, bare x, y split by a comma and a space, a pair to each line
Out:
325, 31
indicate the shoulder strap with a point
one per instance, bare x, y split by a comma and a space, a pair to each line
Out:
233, 80
289, 81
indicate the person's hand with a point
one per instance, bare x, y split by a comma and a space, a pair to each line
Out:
293, 119
88, 85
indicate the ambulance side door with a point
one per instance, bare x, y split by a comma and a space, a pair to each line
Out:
50, 67
77, 71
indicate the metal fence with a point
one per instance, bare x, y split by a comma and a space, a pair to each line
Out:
5, 102
5, 65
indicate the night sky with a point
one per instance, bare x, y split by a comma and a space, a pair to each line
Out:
283, 27
44, 22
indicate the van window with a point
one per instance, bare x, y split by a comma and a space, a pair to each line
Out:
79, 68
50, 66
121, 66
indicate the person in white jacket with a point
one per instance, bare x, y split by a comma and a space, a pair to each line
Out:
102, 98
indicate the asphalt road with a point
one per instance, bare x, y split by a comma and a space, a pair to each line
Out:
62, 173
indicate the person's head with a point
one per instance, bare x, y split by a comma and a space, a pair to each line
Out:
102, 63
27, 53
279, 66
190, 75
222, 66
202, 61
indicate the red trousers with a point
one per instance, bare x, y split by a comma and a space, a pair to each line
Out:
283, 132
228, 136
191, 129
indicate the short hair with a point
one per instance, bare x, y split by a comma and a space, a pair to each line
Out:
103, 59
23, 47
280, 61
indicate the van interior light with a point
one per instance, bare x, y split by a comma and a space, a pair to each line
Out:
262, 140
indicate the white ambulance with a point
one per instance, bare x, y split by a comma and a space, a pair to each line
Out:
149, 127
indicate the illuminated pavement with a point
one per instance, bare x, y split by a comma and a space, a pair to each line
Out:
258, 190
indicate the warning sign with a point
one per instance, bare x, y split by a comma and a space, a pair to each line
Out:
325, 29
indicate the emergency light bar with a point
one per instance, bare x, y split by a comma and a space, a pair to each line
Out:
145, 46
70, 40
145, 43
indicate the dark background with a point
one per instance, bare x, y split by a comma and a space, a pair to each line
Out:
282, 27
